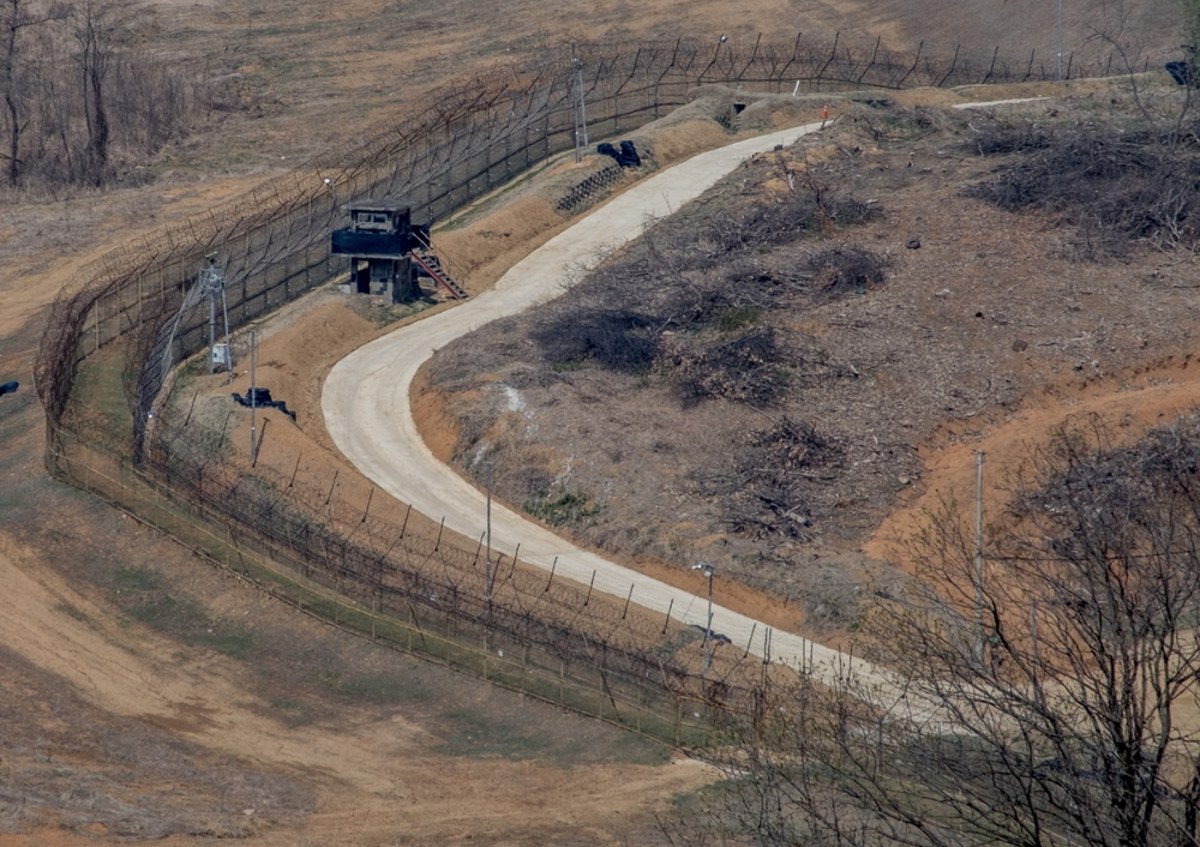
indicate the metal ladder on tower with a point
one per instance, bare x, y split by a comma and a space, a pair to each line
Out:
428, 261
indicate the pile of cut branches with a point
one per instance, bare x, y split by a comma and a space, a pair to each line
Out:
1113, 187
763, 493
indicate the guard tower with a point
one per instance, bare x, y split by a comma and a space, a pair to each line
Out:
379, 246
389, 254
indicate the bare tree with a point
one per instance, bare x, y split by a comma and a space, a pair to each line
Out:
1191, 24
1069, 716
94, 31
17, 16
57, 112
77, 93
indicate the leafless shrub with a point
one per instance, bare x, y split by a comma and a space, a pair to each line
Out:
994, 138
884, 121
1121, 487
615, 338
848, 211
807, 210
520, 480
699, 300
742, 271
762, 223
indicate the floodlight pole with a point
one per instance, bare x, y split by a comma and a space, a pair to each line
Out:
213, 285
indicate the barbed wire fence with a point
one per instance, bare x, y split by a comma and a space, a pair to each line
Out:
118, 321
373, 575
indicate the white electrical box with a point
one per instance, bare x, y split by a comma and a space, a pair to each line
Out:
221, 356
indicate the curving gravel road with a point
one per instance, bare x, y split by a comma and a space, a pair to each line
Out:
368, 415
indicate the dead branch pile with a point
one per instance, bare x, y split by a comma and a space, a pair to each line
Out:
619, 339
1113, 187
764, 493
1100, 489
745, 368
782, 220
847, 269
995, 139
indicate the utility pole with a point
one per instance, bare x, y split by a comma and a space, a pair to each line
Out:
1058, 64
253, 396
979, 559
207, 273
487, 561
708, 639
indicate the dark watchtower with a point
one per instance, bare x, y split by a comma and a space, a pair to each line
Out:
379, 244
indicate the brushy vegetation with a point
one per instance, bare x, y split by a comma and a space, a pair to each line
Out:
704, 304
693, 302
562, 508
87, 102
1091, 593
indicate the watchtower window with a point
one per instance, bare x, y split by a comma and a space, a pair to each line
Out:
374, 221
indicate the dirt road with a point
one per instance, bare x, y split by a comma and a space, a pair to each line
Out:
369, 416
